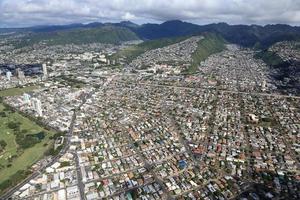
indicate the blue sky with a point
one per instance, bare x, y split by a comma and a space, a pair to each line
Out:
20, 13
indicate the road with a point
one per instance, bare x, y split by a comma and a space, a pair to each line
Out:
225, 91
9, 193
150, 167
68, 136
76, 157
80, 184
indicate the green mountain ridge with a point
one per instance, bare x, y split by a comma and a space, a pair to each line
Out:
211, 44
245, 35
270, 58
134, 51
106, 34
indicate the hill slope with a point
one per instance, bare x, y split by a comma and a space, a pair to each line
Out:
211, 44
106, 34
245, 35
249, 36
286, 73
134, 51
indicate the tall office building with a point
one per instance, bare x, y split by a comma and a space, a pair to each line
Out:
264, 85
45, 72
8, 75
37, 106
20, 74
26, 98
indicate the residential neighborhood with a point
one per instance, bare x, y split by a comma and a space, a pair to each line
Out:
224, 132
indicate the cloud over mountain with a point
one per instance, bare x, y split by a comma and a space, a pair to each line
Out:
38, 12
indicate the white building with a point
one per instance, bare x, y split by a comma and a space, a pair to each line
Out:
61, 194
26, 98
45, 72
8, 75
20, 74
37, 106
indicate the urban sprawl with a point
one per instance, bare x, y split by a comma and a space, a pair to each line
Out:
146, 131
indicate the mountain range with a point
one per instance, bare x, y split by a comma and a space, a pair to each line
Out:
245, 35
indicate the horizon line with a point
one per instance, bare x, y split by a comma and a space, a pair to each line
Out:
140, 24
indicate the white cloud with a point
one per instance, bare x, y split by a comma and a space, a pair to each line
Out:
128, 16
36, 12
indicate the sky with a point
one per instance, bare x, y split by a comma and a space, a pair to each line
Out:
23, 13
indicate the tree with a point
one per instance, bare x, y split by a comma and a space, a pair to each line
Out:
3, 114
3, 143
14, 125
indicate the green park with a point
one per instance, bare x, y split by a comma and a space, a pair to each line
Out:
22, 141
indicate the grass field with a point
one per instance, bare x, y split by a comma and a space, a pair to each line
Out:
13, 158
24, 158
16, 91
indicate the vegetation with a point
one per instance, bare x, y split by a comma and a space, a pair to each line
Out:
244, 35
23, 142
16, 91
134, 51
282, 71
52, 151
271, 58
107, 34
211, 44
3, 144
71, 81
65, 164
14, 179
